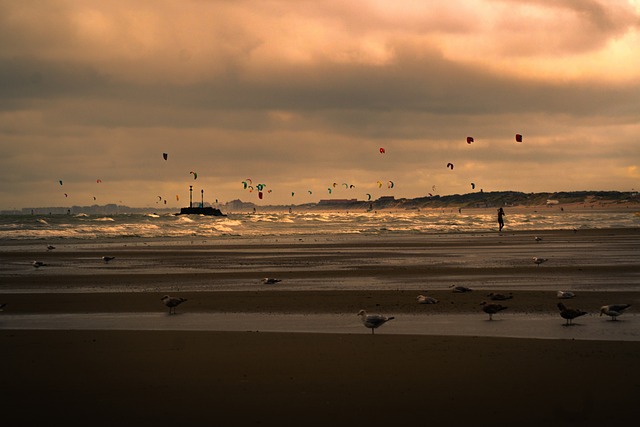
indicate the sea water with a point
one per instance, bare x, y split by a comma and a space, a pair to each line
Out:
282, 224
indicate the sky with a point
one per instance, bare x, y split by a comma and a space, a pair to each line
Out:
299, 95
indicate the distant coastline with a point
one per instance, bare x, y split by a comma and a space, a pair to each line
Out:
475, 200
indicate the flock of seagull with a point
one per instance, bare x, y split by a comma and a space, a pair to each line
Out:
374, 321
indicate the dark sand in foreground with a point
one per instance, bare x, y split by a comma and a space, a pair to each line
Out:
248, 378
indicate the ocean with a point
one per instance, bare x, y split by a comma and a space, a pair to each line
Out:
285, 224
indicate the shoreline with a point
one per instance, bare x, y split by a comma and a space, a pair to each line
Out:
146, 377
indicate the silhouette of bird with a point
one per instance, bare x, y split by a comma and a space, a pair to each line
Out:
172, 302
270, 281
538, 239
423, 299
537, 260
570, 313
50, 247
491, 309
460, 289
499, 297
613, 310
373, 321
106, 259
37, 264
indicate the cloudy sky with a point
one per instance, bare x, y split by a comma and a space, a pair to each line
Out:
297, 95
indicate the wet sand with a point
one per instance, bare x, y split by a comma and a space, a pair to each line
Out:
129, 377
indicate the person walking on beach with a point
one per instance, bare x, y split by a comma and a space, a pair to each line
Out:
501, 218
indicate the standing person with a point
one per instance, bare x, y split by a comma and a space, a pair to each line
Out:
501, 218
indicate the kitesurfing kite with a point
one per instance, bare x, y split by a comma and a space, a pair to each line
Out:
195, 175
390, 184
368, 196
469, 139
382, 150
473, 186
98, 181
259, 194
379, 184
165, 155
518, 137
60, 182
450, 165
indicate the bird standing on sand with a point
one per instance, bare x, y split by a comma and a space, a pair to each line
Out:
491, 309
499, 297
538, 239
373, 321
106, 259
570, 313
613, 310
37, 264
423, 299
50, 247
537, 260
460, 289
270, 281
172, 302
565, 294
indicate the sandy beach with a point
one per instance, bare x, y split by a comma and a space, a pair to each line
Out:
142, 377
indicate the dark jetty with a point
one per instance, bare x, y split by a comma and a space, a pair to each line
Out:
199, 210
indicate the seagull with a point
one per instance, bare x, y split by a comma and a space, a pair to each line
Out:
613, 310
460, 289
270, 281
491, 309
538, 260
37, 264
500, 297
108, 258
565, 294
373, 320
172, 302
422, 299
50, 247
569, 313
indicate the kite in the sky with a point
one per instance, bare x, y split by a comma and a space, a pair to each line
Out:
473, 186
368, 196
382, 150
390, 184
260, 194
469, 139
450, 165
195, 175
518, 137
165, 155
98, 181
60, 182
